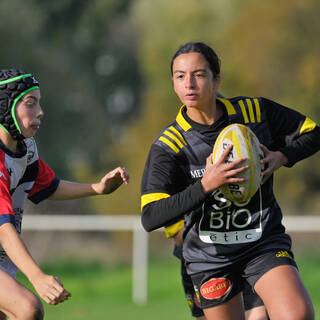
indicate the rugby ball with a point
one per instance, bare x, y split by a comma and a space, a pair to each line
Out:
245, 144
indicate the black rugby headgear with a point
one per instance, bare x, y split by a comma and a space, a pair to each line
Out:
14, 84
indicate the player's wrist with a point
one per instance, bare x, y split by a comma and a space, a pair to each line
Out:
205, 186
283, 158
96, 189
35, 274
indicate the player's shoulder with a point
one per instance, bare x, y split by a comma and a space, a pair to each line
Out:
235, 102
171, 139
246, 101
244, 109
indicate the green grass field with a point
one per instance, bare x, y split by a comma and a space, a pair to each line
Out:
105, 293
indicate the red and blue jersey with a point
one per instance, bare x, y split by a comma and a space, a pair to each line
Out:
23, 175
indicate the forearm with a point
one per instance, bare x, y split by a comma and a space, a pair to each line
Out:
17, 251
68, 190
71, 190
165, 211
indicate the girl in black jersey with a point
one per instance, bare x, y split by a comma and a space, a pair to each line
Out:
225, 244
253, 306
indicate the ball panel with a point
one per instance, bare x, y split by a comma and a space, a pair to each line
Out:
245, 144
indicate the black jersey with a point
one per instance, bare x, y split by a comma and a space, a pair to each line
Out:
217, 231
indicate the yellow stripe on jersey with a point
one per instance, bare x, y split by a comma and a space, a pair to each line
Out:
230, 109
174, 138
173, 129
169, 144
244, 111
152, 197
307, 126
258, 112
182, 121
172, 230
251, 114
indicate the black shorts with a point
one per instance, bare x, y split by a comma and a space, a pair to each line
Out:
250, 298
215, 287
192, 299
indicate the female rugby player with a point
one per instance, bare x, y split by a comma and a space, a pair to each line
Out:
225, 244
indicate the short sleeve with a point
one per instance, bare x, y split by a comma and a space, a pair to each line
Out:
45, 185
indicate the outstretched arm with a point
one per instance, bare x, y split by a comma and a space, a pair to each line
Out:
49, 288
68, 190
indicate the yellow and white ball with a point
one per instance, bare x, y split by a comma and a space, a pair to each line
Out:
245, 145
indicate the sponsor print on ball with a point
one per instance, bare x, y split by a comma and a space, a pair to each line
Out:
245, 144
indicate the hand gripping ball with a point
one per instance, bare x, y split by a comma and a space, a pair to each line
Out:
245, 144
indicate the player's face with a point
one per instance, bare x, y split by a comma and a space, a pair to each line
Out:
193, 80
28, 113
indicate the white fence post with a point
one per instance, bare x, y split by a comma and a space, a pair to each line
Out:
140, 266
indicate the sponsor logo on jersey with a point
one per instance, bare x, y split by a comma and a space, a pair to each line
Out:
215, 288
30, 155
283, 254
225, 222
198, 173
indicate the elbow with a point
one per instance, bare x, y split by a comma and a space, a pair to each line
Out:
146, 223
150, 219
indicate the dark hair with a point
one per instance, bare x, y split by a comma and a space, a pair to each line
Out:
200, 47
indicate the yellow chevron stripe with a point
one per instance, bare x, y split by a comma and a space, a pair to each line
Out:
244, 111
173, 129
251, 114
307, 126
151, 197
172, 230
182, 122
169, 144
230, 109
258, 111
174, 138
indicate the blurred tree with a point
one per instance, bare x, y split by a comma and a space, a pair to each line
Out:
162, 27
89, 77
83, 53
91, 57
270, 50
267, 49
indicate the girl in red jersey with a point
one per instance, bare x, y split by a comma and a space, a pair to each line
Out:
226, 244
23, 175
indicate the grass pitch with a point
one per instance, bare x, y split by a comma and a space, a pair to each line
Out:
106, 293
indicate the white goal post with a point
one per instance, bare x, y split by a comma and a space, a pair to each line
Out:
140, 237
